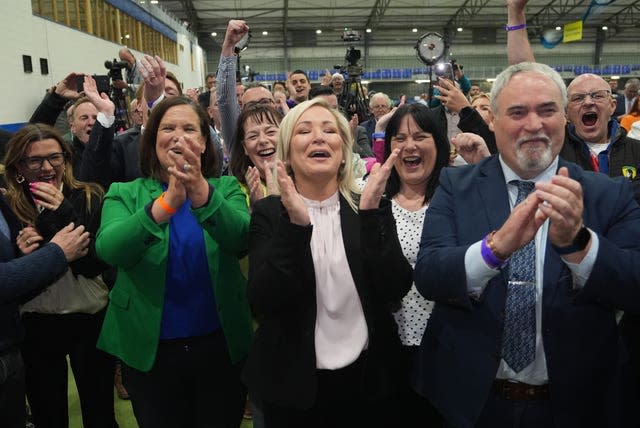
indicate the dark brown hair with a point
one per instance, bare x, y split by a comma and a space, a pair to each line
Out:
240, 162
149, 163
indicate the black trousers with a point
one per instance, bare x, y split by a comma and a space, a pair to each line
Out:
49, 340
410, 408
192, 383
340, 403
12, 389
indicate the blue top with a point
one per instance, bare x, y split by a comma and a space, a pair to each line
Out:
189, 302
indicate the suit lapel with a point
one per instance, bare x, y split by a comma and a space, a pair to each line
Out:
493, 192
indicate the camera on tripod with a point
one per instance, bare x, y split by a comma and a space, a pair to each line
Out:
115, 68
352, 99
118, 96
353, 55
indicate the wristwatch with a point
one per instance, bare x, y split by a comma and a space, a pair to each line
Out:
579, 242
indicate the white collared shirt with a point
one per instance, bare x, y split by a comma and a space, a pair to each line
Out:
479, 274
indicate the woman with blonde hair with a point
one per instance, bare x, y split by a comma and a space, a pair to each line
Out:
325, 269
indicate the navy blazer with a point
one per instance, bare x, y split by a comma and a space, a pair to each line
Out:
22, 277
461, 348
281, 366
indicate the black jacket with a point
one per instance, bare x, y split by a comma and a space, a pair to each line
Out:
623, 152
281, 366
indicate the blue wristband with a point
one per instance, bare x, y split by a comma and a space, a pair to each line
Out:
378, 135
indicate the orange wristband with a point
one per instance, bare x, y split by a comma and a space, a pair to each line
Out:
165, 206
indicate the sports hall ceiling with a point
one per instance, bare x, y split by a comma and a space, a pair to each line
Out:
391, 21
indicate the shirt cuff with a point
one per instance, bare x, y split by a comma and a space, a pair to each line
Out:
581, 271
105, 121
477, 271
155, 103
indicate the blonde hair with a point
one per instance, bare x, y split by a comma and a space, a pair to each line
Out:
480, 95
346, 179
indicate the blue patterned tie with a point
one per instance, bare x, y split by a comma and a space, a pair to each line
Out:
519, 336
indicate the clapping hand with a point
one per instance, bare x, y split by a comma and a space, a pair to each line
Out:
291, 199
186, 169
377, 181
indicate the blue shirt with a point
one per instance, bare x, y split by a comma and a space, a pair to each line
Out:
189, 302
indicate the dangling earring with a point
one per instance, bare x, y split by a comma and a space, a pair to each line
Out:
20, 178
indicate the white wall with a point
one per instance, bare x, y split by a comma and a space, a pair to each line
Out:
66, 50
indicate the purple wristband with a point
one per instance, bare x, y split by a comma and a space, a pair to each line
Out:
489, 258
515, 27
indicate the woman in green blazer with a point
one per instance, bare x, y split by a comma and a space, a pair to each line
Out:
178, 315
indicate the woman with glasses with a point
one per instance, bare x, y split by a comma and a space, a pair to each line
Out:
65, 319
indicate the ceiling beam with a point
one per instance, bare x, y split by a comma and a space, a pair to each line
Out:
556, 12
377, 13
192, 15
467, 12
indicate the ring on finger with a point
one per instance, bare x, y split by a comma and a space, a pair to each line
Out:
28, 242
186, 167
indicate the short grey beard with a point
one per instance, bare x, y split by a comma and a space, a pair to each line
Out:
530, 164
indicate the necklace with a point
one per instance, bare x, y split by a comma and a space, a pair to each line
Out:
410, 204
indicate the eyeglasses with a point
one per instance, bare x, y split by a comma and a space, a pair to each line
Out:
34, 163
261, 101
597, 96
380, 107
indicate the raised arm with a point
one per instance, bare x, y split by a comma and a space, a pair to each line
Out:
226, 78
518, 46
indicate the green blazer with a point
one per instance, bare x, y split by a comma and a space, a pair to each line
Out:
131, 241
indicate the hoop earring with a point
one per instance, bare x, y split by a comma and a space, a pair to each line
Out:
20, 178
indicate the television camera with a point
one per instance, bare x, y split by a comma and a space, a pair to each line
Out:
118, 96
352, 99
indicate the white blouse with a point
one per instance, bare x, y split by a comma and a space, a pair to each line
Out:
415, 310
341, 329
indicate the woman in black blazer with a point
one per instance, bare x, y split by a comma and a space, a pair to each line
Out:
325, 271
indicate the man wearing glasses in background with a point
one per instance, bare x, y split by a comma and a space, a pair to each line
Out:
594, 139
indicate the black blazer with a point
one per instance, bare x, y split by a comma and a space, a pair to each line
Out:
281, 366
